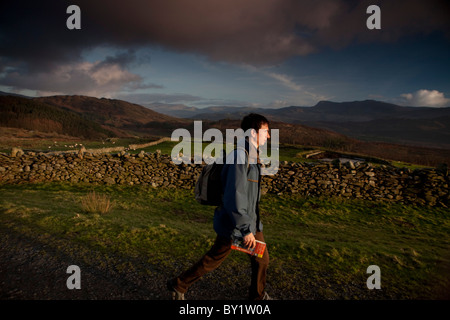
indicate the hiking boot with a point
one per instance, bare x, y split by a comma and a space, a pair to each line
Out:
176, 295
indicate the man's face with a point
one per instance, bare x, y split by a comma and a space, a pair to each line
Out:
263, 135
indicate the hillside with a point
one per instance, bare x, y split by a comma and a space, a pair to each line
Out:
18, 112
433, 132
122, 117
297, 134
293, 133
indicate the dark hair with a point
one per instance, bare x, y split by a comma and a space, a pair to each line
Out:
253, 121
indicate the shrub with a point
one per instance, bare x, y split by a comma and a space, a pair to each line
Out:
96, 203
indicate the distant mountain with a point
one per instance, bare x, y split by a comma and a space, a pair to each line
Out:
378, 121
173, 110
360, 111
209, 113
367, 120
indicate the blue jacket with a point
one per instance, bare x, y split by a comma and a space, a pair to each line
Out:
241, 181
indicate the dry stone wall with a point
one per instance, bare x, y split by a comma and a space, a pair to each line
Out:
364, 181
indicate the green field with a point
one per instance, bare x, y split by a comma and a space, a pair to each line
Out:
319, 248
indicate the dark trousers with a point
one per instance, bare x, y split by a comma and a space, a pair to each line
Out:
215, 256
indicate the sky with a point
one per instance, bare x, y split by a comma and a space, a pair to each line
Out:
261, 53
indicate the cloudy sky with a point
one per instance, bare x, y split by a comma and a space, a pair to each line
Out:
265, 53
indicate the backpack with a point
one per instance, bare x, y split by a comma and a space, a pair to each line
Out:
208, 188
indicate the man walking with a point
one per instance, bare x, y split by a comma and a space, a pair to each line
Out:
238, 215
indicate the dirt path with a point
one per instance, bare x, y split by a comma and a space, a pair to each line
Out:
30, 269
36, 269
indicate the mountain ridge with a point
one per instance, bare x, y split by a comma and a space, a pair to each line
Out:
349, 118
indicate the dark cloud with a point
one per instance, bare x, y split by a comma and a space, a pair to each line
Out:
34, 34
399, 19
96, 79
99, 78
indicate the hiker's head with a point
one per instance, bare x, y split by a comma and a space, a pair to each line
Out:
260, 126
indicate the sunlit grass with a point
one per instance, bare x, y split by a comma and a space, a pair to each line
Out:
96, 203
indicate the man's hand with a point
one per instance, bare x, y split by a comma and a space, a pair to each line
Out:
250, 241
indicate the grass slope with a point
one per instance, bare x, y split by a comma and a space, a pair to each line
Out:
24, 113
